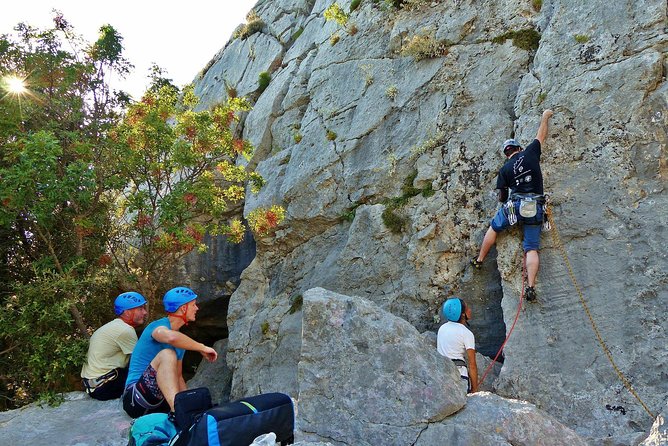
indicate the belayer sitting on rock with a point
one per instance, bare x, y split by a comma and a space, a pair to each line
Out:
455, 341
525, 202
156, 366
106, 367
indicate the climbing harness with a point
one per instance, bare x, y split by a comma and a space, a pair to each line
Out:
620, 374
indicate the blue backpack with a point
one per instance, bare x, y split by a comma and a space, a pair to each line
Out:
154, 429
239, 423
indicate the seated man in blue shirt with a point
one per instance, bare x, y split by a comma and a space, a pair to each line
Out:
156, 366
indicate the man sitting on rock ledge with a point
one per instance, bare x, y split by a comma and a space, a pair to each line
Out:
156, 367
106, 367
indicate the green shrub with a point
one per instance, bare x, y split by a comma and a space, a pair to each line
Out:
425, 46
336, 13
581, 38
393, 221
354, 5
253, 25
297, 137
349, 215
297, 33
297, 303
526, 39
331, 136
264, 326
263, 81
428, 192
334, 38
392, 92
537, 5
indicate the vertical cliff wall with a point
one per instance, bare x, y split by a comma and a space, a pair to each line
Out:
381, 137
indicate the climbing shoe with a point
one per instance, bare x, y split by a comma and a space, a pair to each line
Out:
530, 294
476, 264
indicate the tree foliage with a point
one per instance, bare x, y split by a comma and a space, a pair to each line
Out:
99, 194
54, 187
183, 181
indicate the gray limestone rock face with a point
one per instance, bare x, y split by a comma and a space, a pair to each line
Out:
216, 376
368, 377
353, 132
490, 420
266, 339
79, 421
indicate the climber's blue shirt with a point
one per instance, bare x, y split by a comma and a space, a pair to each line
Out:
146, 349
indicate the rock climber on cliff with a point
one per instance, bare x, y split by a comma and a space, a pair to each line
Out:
455, 341
520, 189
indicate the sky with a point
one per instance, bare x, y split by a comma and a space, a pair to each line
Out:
181, 37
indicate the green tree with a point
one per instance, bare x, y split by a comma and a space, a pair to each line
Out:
55, 182
184, 180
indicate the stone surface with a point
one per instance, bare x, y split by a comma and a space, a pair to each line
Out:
658, 435
79, 421
367, 377
604, 162
489, 420
217, 376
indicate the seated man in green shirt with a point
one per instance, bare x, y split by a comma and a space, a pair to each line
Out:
106, 367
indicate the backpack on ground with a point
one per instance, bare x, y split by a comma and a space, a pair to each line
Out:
154, 429
239, 423
189, 404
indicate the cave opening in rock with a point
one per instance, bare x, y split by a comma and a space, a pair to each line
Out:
483, 291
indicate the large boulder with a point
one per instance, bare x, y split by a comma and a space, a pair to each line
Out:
216, 376
367, 377
78, 421
489, 420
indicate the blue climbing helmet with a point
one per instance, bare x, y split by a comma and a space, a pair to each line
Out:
176, 297
452, 309
509, 143
128, 301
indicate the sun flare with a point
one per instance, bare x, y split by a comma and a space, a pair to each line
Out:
15, 85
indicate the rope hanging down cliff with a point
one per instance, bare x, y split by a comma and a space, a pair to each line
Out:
620, 374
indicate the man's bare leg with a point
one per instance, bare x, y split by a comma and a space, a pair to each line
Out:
532, 266
487, 243
165, 364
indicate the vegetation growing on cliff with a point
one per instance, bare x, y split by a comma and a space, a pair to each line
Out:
526, 39
254, 24
425, 46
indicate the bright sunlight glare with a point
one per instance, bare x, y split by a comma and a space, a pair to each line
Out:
15, 85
